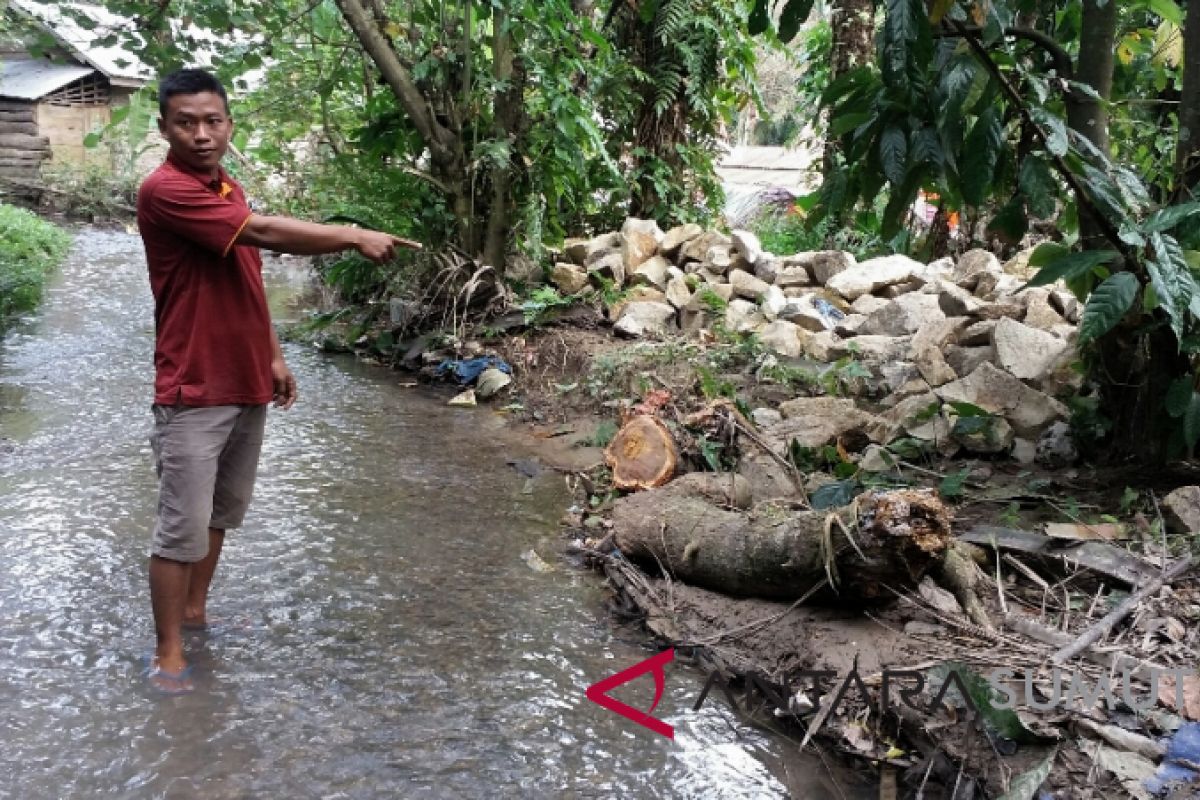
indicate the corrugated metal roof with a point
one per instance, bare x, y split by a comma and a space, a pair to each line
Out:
122, 67
34, 79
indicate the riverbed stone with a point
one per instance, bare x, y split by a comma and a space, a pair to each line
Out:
994, 435
696, 249
905, 315
651, 272
719, 259
1040, 313
743, 316
965, 360
872, 275
636, 249
868, 304
610, 266
772, 302
998, 392
977, 334
763, 416
793, 275
746, 285
804, 313
931, 363
644, 317
746, 244
784, 338
575, 249
569, 278
677, 237
678, 293
1181, 510
955, 301
645, 227
1056, 447
818, 421
824, 264
973, 263
766, 267
1025, 352
911, 412
821, 345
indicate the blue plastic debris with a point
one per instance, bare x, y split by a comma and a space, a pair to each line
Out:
829, 313
467, 370
1184, 747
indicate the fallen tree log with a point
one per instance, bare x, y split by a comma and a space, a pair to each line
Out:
883, 539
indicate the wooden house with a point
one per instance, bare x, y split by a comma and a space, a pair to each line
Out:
49, 103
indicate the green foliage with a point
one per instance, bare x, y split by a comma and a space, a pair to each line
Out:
542, 300
30, 248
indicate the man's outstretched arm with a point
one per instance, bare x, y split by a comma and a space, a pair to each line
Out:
287, 235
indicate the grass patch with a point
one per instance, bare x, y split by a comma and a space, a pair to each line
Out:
30, 248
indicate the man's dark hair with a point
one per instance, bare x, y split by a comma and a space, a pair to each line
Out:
188, 81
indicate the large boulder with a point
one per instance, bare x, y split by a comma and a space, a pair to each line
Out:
569, 278
955, 301
784, 338
818, 421
643, 317
651, 272
1025, 352
998, 392
772, 302
1040, 312
636, 249
792, 275
872, 275
972, 264
824, 264
872, 350
808, 313
677, 237
904, 315
696, 249
766, 266
742, 316
645, 227
747, 245
746, 285
931, 363
608, 265
678, 293
909, 414
600, 246
868, 304
1181, 510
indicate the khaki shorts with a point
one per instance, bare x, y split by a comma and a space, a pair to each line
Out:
206, 459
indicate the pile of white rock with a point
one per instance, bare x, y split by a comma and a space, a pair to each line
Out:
931, 335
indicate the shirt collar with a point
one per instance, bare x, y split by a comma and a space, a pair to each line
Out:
214, 184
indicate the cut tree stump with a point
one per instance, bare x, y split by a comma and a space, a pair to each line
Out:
642, 455
890, 539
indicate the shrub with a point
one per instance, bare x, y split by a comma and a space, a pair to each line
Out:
29, 249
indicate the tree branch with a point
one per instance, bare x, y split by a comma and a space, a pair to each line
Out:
397, 77
1062, 61
1085, 200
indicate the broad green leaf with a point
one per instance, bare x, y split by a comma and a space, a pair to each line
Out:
964, 409
981, 152
793, 16
1039, 187
760, 19
1071, 266
1055, 130
1192, 257
833, 495
1004, 722
1179, 396
1046, 253
926, 148
1191, 422
1025, 786
92, 139
1175, 287
1169, 10
844, 123
893, 154
1167, 218
1108, 304
952, 484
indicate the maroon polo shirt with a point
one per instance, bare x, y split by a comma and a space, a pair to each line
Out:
212, 327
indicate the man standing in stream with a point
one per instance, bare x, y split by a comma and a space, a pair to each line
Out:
217, 360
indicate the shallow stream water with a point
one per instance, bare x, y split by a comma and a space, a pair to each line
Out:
378, 631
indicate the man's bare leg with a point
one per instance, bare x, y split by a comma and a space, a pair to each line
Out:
168, 593
194, 610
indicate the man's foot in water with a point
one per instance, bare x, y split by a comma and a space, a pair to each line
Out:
170, 676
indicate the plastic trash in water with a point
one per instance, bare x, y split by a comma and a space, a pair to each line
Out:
467, 370
1183, 749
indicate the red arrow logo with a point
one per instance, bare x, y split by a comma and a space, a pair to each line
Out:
598, 692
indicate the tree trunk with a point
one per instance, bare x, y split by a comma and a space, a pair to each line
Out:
506, 114
446, 147
1187, 155
853, 44
1085, 115
1137, 372
892, 539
